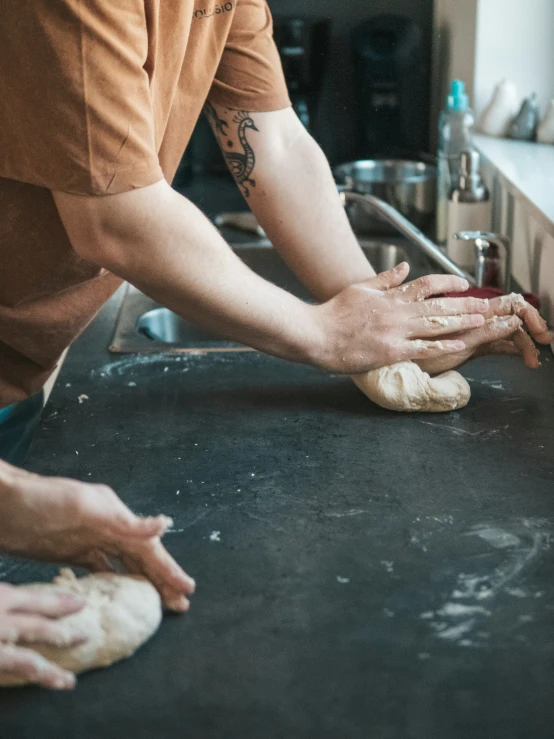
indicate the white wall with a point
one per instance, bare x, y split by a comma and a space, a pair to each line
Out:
515, 39
483, 41
454, 51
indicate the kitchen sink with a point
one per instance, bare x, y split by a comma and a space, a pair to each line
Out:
144, 326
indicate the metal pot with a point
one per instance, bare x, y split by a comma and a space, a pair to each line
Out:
408, 186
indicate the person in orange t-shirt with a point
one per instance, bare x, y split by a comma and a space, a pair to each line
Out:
98, 102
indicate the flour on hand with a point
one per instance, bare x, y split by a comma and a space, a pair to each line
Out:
406, 387
121, 613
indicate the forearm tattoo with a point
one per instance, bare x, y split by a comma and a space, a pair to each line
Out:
240, 162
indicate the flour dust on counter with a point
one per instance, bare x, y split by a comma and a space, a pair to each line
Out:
495, 384
121, 613
167, 363
500, 556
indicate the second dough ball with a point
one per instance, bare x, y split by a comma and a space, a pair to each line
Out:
121, 613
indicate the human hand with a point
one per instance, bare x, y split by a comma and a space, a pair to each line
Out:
380, 321
28, 616
60, 520
508, 319
531, 323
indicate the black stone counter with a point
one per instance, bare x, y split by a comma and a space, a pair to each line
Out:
361, 574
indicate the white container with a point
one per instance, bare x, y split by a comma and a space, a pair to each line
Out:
501, 110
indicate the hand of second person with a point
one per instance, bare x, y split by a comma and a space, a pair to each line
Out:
61, 520
27, 617
380, 321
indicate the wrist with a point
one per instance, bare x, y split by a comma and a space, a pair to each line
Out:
299, 336
316, 344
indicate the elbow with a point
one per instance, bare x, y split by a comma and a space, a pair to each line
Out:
97, 231
99, 249
108, 231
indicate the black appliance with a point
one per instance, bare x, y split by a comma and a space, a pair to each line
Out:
303, 45
392, 87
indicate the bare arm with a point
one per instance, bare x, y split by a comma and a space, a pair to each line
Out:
157, 240
289, 186
60, 520
164, 245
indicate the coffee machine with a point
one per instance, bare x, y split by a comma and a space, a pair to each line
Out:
303, 45
391, 72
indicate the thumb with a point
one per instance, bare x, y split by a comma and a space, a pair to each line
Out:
389, 279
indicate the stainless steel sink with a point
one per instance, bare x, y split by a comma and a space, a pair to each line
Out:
143, 326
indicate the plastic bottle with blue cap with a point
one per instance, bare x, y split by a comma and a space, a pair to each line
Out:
456, 124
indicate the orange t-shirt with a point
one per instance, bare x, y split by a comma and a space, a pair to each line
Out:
101, 97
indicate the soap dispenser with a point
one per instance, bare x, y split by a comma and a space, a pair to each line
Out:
455, 136
469, 209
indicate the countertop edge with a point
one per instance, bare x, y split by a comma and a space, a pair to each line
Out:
526, 169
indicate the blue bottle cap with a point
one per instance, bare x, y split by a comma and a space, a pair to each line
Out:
457, 100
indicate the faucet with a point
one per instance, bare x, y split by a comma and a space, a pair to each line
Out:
407, 229
492, 258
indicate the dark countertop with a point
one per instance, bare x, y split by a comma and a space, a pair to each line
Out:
375, 575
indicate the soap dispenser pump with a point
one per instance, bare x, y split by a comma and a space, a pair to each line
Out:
455, 136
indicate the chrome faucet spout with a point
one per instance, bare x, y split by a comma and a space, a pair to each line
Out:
492, 258
407, 229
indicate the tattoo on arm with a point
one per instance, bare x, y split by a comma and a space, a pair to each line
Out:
240, 162
217, 123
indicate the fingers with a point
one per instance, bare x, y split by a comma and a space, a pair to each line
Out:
154, 562
29, 666
492, 330
525, 344
172, 597
535, 324
425, 287
419, 349
441, 325
499, 347
40, 630
135, 541
389, 279
51, 605
491, 339
454, 306
517, 305
146, 527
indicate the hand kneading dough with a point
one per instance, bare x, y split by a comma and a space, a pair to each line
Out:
121, 613
406, 387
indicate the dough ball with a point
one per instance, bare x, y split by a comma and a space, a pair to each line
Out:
406, 387
121, 613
